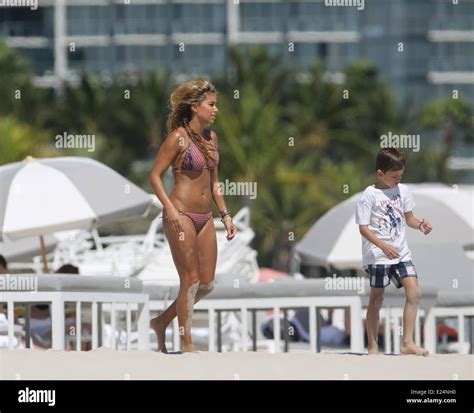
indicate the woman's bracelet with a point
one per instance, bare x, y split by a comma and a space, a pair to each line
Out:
224, 212
421, 223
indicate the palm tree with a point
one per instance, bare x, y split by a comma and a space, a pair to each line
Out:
256, 67
342, 119
441, 123
452, 116
20, 140
129, 116
333, 139
19, 97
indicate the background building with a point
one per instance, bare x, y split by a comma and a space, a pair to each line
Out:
62, 37
423, 48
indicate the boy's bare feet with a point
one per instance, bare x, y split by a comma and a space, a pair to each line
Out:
160, 331
189, 348
412, 348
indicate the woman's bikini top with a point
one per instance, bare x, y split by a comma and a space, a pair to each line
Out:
194, 160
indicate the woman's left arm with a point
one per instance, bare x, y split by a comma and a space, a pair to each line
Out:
215, 188
218, 196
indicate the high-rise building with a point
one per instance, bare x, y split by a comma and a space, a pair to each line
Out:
423, 47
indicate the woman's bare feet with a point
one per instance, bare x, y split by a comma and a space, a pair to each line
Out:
373, 351
412, 348
160, 331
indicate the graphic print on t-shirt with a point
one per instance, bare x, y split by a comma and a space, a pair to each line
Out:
392, 222
383, 210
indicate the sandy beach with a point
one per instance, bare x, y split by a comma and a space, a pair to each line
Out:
108, 364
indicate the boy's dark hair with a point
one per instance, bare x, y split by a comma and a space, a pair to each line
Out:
389, 159
3, 262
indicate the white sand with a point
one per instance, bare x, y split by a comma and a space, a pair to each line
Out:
107, 364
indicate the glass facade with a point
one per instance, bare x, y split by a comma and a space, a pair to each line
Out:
198, 18
22, 21
263, 16
375, 33
334, 55
42, 60
88, 21
142, 19
452, 57
143, 57
449, 16
199, 59
94, 59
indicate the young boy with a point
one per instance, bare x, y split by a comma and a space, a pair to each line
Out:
382, 212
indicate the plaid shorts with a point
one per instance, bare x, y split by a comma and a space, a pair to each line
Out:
381, 274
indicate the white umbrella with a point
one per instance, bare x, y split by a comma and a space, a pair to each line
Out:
26, 248
335, 239
43, 196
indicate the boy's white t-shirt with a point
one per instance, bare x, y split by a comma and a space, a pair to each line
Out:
383, 210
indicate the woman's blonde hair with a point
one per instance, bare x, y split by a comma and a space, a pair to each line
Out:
188, 94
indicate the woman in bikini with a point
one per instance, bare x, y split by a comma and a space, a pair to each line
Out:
191, 149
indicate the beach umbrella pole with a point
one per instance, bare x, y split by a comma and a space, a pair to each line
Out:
43, 254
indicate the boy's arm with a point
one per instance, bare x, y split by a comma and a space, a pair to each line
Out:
411, 221
423, 225
408, 205
388, 250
